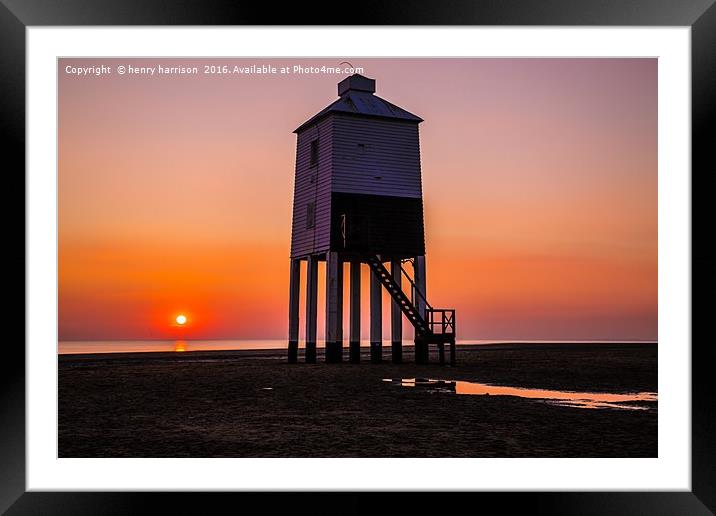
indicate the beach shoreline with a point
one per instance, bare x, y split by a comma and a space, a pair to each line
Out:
251, 403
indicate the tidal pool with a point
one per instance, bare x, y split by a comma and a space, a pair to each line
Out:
587, 400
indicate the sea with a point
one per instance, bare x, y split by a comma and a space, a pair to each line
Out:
73, 347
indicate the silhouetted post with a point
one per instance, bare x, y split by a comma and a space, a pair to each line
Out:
311, 308
334, 269
376, 320
354, 345
420, 283
453, 343
396, 318
293, 296
421, 345
339, 305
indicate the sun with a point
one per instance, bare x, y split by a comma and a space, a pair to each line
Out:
181, 319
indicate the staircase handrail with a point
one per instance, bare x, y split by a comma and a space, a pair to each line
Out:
415, 289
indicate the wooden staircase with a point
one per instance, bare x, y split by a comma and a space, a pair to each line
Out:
433, 326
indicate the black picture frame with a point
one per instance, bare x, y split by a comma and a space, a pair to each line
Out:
700, 15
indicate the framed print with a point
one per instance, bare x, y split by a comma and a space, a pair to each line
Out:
428, 251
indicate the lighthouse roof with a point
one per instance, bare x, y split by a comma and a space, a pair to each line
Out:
357, 97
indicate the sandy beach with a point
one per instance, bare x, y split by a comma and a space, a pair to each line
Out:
253, 404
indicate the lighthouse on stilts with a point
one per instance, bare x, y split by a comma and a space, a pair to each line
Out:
358, 199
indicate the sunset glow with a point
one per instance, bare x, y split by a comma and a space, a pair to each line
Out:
539, 185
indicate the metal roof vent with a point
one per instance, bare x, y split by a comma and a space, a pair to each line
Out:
356, 82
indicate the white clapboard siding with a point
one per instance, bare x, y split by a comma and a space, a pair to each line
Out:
390, 150
317, 239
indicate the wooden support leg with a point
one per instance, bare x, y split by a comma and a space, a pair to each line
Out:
441, 353
452, 352
294, 292
420, 283
396, 318
376, 319
339, 306
354, 354
421, 350
334, 291
311, 308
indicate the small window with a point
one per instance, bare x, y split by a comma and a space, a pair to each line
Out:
314, 153
310, 215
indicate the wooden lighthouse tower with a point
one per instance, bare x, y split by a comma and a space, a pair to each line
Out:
358, 199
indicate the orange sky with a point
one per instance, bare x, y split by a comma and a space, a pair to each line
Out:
539, 181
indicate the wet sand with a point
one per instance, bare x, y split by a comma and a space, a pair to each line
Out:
254, 404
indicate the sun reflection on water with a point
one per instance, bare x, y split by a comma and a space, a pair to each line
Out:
589, 400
